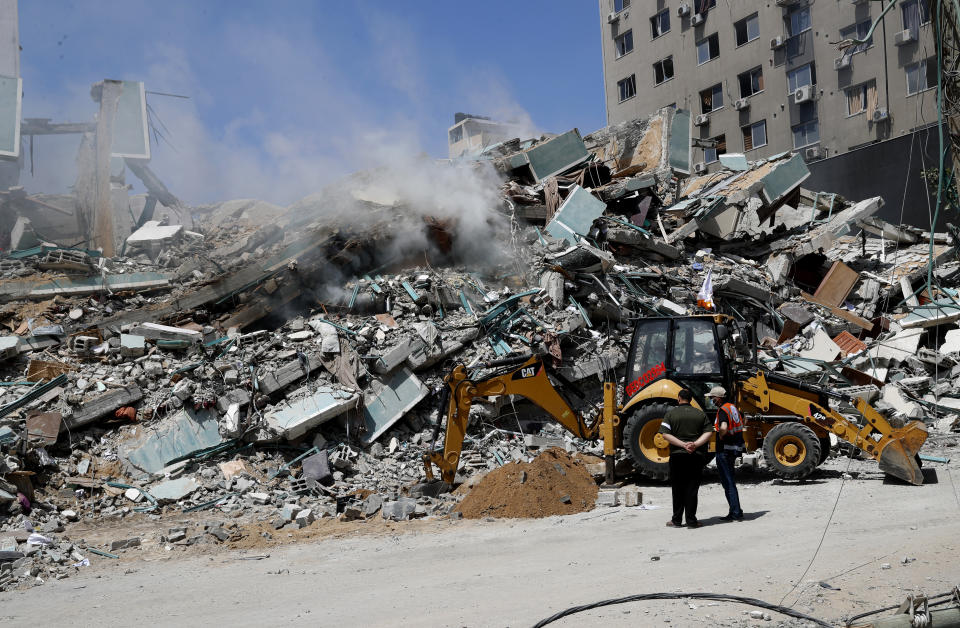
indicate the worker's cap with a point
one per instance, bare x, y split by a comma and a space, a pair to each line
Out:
717, 391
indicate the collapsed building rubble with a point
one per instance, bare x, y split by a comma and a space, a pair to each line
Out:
282, 365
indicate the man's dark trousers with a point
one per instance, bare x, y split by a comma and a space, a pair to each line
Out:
686, 471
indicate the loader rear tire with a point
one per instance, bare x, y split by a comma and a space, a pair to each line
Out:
792, 450
638, 439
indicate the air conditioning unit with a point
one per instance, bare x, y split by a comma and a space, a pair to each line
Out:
740, 105
814, 152
697, 19
683, 10
880, 114
841, 63
700, 167
776, 42
613, 17
903, 37
701, 120
803, 94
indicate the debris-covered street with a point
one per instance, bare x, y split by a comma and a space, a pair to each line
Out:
409, 395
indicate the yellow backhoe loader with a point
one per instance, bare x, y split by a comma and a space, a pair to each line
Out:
790, 419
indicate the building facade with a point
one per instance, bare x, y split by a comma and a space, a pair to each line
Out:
762, 78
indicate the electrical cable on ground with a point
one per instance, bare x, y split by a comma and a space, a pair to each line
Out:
843, 480
719, 597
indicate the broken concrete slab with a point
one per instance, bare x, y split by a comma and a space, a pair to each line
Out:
289, 373
153, 331
132, 346
388, 401
173, 490
575, 216
149, 450
152, 233
8, 347
294, 418
99, 407
555, 156
821, 347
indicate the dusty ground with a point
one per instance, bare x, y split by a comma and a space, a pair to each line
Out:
516, 572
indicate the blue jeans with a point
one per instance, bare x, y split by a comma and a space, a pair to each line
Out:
729, 483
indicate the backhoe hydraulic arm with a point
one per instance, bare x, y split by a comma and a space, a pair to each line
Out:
527, 379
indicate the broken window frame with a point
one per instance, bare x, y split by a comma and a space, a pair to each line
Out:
623, 43
620, 5
712, 95
745, 24
749, 132
862, 94
711, 155
860, 30
628, 84
754, 76
662, 64
458, 132
660, 24
711, 45
923, 70
792, 77
702, 6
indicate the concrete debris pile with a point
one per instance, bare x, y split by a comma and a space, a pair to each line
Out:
283, 364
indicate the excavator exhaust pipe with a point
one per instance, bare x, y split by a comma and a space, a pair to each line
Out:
899, 457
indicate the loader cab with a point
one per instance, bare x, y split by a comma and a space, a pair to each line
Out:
687, 350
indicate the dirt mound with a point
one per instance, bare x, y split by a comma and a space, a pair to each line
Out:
553, 484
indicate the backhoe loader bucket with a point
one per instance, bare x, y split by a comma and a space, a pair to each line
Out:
899, 457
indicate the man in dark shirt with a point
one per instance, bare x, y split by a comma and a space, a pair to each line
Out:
687, 429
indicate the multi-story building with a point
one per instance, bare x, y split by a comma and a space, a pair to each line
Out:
764, 77
470, 134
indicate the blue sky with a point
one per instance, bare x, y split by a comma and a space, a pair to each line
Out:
287, 95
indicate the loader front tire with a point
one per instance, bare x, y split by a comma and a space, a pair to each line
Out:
639, 436
792, 450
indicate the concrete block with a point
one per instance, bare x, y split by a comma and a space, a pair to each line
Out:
237, 396
8, 347
260, 499
304, 518
630, 496
125, 544
176, 534
132, 346
316, 467
399, 510
607, 498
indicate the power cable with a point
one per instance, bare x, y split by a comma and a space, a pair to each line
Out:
826, 527
719, 597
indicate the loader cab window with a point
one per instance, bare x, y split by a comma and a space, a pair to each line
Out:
650, 346
695, 348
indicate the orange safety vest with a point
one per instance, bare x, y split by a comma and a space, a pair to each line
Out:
734, 422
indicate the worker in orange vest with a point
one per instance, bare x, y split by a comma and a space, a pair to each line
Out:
729, 428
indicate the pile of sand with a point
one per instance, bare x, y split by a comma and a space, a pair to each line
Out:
553, 484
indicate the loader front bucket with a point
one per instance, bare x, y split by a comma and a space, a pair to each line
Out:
899, 456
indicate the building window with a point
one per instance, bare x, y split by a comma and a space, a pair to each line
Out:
708, 48
711, 155
857, 31
620, 5
754, 135
627, 87
663, 70
711, 99
747, 29
624, 43
456, 134
751, 82
921, 75
660, 23
799, 21
808, 130
804, 75
702, 6
862, 99
915, 13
